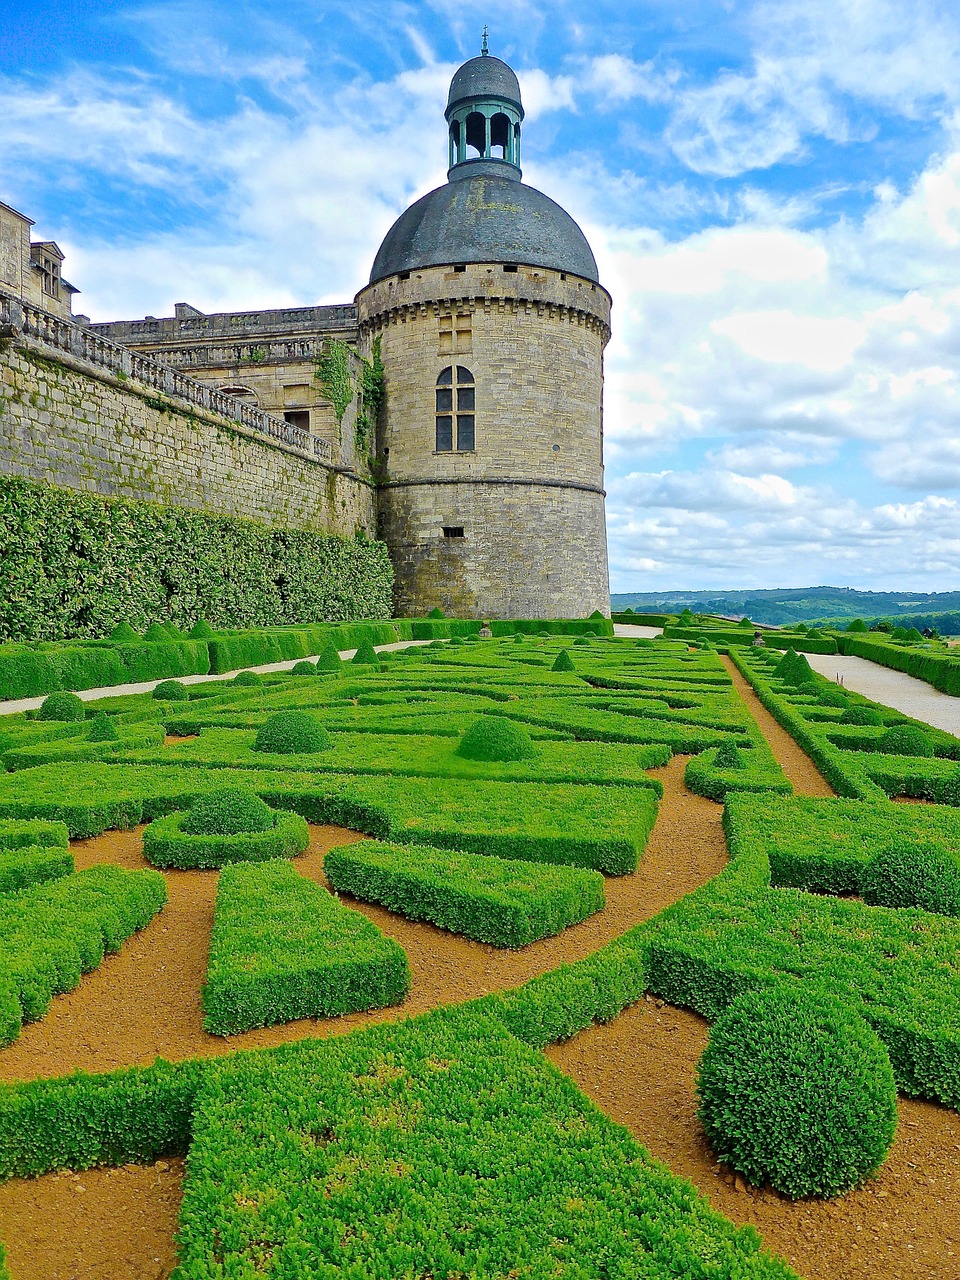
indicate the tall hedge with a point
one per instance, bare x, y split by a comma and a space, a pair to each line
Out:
74, 564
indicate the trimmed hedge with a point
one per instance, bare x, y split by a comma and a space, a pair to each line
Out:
284, 948
20, 868
436, 1147
17, 834
913, 875
742, 637
52, 933
506, 903
940, 668
166, 843
553, 627
797, 1091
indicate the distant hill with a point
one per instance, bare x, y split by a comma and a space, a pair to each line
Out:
794, 604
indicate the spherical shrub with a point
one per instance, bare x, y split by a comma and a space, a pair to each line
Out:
228, 811
123, 633
329, 659
171, 691
291, 733
102, 729
905, 740
518, 638
797, 1090
471, 639
61, 706
913, 875
247, 677
833, 698
365, 655
580, 640
201, 630
496, 738
728, 756
456, 642
304, 668
563, 662
861, 715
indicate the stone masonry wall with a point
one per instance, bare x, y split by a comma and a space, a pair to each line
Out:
529, 496
82, 427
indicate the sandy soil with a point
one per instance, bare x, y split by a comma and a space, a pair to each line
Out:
893, 689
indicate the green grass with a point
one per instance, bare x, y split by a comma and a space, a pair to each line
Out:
496, 900
285, 948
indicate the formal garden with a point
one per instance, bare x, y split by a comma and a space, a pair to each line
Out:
550, 954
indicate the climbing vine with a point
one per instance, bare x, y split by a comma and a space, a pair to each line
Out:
333, 374
371, 398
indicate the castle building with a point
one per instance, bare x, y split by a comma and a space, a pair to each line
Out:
491, 322
485, 307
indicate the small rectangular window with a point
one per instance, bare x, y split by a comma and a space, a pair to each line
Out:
460, 268
453, 531
404, 275
510, 266
466, 399
465, 432
298, 418
444, 434
444, 399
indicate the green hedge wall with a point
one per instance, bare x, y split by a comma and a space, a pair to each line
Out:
75, 564
724, 637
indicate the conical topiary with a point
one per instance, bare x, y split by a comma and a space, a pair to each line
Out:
201, 630
156, 632
123, 633
728, 756
330, 659
365, 655
102, 729
496, 738
436, 613
563, 662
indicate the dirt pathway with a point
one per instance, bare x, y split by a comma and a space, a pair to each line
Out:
145, 1001
796, 764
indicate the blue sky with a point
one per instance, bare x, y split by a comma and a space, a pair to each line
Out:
771, 187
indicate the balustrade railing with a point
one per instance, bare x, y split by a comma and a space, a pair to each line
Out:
18, 317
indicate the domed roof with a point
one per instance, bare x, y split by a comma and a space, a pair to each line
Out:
484, 217
485, 77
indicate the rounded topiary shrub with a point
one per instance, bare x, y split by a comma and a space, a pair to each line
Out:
365, 655
247, 677
291, 733
456, 642
797, 1091
304, 668
123, 633
833, 698
861, 715
496, 738
580, 640
905, 740
563, 662
913, 875
728, 756
201, 630
102, 729
61, 706
228, 825
229, 811
171, 691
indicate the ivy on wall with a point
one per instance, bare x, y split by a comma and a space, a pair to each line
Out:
333, 374
74, 564
341, 388
371, 397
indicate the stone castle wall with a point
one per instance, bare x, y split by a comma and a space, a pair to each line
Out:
149, 434
529, 496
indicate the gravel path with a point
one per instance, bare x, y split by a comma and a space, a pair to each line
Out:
894, 689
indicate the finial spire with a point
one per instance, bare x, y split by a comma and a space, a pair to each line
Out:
484, 49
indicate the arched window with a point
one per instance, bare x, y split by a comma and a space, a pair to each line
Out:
500, 136
476, 132
456, 407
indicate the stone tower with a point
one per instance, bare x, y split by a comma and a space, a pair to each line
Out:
491, 321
